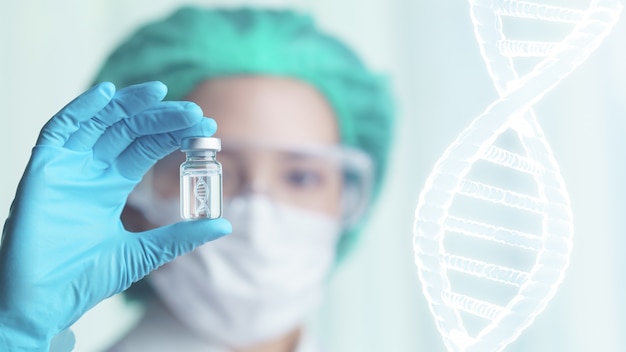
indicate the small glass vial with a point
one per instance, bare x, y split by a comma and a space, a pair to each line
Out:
201, 179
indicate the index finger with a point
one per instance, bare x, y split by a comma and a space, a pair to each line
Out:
60, 127
125, 103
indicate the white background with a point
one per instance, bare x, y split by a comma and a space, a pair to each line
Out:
52, 49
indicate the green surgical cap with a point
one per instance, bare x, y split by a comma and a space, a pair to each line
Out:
195, 44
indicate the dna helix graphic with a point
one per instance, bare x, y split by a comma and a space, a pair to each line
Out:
201, 194
493, 225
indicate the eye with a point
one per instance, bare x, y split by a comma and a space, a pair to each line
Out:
304, 178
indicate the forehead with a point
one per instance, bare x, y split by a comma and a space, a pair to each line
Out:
265, 108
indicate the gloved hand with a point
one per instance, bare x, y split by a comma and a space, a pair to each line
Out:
64, 248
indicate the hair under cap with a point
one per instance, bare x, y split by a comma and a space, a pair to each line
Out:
195, 44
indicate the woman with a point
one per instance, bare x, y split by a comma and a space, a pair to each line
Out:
305, 129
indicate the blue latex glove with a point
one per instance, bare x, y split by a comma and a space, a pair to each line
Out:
64, 248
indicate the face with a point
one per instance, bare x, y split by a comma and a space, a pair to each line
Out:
263, 123
282, 185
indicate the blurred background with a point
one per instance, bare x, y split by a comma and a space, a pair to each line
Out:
51, 51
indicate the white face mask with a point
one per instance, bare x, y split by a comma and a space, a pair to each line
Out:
258, 283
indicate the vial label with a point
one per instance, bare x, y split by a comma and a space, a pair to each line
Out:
202, 194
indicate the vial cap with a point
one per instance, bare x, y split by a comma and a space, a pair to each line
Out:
200, 143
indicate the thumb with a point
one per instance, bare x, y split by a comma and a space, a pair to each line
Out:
156, 247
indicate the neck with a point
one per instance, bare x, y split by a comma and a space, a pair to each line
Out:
285, 343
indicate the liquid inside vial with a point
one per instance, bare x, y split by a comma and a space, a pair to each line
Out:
202, 194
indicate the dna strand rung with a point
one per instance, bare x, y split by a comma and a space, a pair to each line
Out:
525, 48
474, 306
503, 157
493, 225
489, 271
493, 233
536, 11
501, 196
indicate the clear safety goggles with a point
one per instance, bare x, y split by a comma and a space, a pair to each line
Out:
335, 180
